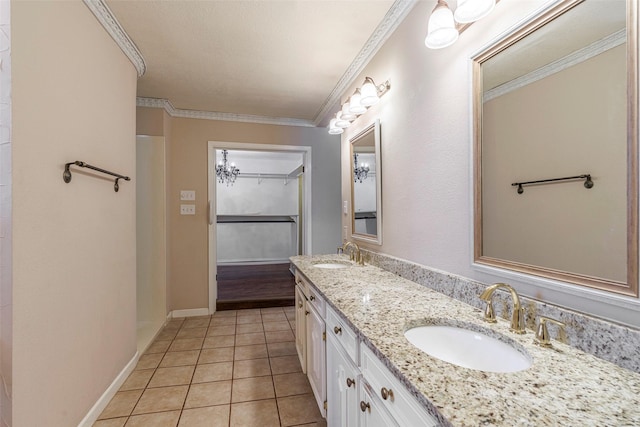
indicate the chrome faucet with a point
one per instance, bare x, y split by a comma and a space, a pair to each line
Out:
353, 256
517, 317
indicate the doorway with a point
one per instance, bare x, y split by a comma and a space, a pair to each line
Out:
256, 222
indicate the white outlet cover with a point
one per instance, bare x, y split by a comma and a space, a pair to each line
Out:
187, 209
187, 195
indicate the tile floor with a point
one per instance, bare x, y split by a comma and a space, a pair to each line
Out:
235, 368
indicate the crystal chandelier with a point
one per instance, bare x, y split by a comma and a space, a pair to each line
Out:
225, 171
359, 172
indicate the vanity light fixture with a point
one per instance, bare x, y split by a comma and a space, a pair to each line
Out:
444, 25
225, 171
357, 104
359, 172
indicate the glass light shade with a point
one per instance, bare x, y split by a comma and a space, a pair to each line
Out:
333, 129
340, 122
355, 106
442, 30
369, 93
346, 114
472, 10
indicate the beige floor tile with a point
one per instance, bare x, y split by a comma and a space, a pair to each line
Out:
186, 344
197, 322
277, 326
291, 384
213, 355
177, 375
225, 313
191, 333
263, 413
256, 351
219, 341
138, 380
180, 358
113, 422
249, 339
291, 317
214, 331
158, 346
159, 419
322, 423
149, 361
257, 388
296, 410
209, 394
285, 364
272, 310
213, 372
121, 404
249, 312
212, 416
161, 399
255, 318
167, 335
247, 328
220, 321
251, 368
282, 349
279, 336
274, 317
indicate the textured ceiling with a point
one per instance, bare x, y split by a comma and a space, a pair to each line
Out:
272, 58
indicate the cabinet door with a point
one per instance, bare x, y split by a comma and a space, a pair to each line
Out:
342, 392
316, 366
301, 328
372, 413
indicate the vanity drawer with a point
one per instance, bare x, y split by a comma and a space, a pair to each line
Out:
316, 300
343, 334
400, 403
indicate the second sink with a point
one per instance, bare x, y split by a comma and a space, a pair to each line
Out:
467, 348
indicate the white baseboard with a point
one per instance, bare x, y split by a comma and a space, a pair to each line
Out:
111, 391
191, 312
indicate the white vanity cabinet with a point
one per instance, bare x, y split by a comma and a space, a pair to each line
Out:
372, 412
301, 327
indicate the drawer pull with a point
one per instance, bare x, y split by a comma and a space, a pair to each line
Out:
350, 382
386, 393
300, 304
337, 330
364, 406
312, 298
306, 313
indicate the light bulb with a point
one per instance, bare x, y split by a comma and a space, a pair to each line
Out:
472, 10
355, 106
340, 122
346, 114
442, 30
369, 93
333, 129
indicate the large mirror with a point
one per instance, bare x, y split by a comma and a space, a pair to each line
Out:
556, 130
366, 193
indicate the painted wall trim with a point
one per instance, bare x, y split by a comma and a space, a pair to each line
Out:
213, 115
581, 55
190, 312
115, 30
103, 401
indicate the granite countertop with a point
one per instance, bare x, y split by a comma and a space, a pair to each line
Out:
563, 387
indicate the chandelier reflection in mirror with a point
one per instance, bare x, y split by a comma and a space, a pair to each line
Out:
225, 171
359, 172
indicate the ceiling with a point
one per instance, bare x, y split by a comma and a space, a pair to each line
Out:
268, 59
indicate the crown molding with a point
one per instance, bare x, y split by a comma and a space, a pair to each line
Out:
212, 115
574, 58
394, 17
115, 30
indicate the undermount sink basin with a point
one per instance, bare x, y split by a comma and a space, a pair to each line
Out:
332, 265
467, 348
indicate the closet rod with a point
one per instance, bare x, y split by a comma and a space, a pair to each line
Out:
588, 183
66, 175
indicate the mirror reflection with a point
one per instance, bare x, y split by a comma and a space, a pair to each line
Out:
365, 184
553, 187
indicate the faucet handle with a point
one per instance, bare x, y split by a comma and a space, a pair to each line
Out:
340, 250
542, 333
489, 312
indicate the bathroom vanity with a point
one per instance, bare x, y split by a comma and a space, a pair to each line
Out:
364, 372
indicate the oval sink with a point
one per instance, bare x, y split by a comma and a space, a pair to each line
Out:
466, 348
331, 265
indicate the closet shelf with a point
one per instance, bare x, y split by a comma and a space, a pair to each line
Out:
236, 219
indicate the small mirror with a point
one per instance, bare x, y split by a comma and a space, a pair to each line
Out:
366, 200
556, 127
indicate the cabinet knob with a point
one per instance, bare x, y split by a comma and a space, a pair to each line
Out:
337, 330
300, 304
350, 382
386, 393
306, 313
364, 406
312, 298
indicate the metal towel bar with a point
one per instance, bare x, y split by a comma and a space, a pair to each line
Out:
66, 175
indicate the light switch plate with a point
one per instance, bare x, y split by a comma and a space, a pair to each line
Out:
187, 195
345, 207
187, 209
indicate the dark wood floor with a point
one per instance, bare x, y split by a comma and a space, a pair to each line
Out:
255, 286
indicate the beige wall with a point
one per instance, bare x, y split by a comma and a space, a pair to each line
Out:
74, 256
561, 225
426, 127
188, 236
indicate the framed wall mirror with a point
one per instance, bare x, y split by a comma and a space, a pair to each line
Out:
556, 138
366, 185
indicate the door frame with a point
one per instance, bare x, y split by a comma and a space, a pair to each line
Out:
212, 146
